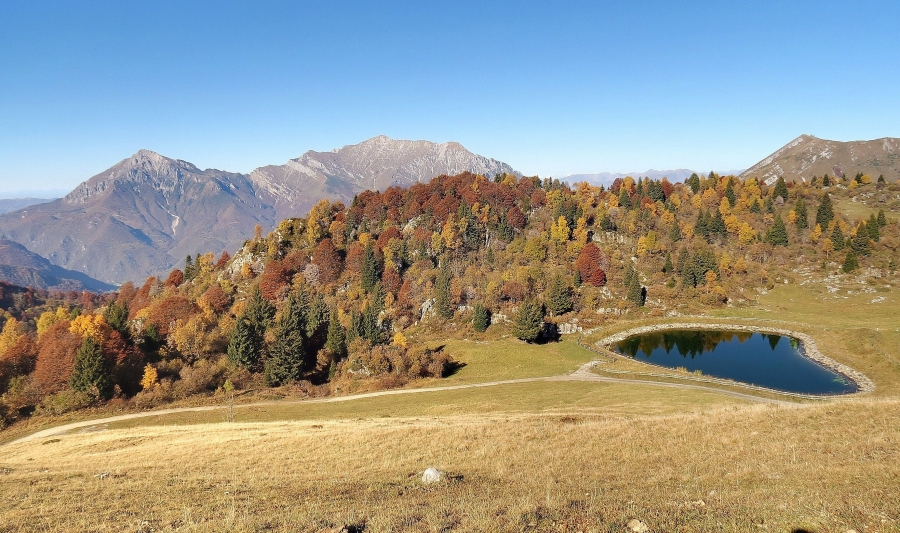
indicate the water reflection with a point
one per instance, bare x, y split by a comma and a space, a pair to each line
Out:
763, 359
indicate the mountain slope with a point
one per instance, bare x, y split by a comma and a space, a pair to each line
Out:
808, 156
140, 217
24, 268
375, 164
145, 214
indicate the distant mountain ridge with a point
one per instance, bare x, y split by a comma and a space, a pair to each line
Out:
808, 156
8, 205
606, 178
19, 266
143, 215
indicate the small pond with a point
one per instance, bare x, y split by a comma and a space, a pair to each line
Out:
763, 359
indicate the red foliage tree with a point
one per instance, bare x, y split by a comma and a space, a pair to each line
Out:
391, 280
164, 313
56, 357
538, 198
273, 280
127, 293
515, 218
176, 278
142, 297
589, 266
328, 259
19, 360
386, 235
355, 256
223, 260
295, 262
126, 362
217, 299
512, 291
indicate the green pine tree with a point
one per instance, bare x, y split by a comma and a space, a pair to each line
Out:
755, 207
335, 342
874, 228
481, 318
694, 183
529, 321
802, 221
624, 199
825, 213
117, 318
777, 235
559, 296
675, 232
837, 238
635, 294
826, 181
287, 357
780, 189
882, 220
668, 267
851, 263
243, 349
442, 303
90, 373
729, 194
860, 243
370, 273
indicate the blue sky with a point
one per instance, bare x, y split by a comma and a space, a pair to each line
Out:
551, 88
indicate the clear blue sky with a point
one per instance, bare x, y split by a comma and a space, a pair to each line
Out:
552, 88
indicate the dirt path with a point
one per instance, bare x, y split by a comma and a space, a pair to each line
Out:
582, 374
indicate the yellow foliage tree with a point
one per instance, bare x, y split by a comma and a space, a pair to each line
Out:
93, 326
559, 232
816, 233
399, 340
10, 335
746, 233
150, 378
48, 318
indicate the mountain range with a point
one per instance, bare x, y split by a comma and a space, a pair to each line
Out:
808, 156
24, 268
142, 216
14, 204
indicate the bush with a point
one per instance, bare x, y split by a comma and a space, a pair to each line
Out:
65, 401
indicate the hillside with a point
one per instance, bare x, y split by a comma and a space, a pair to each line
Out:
142, 216
21, 267
808, 156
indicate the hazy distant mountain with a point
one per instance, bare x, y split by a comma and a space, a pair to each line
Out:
21, 267
606, 178
375, 164
808, 156
145, 214
13, 204
140, 217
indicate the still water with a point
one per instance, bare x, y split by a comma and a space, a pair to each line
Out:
763, 359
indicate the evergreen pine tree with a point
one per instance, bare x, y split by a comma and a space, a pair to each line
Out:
635, 294
371, 330
780, 189
717, 225
335, 341
873, 227
675, 232
754, 207
370, 273
825, 213
242, 347
577, 278
624, 199
442, 303
729, 194
777, 235
287, 357
860, 242
694, 183
90, 373
529, 321
188, 268
481, 318
837, 238
117, 318
826, 181
559, 296
882, 220
802, 221
851, 263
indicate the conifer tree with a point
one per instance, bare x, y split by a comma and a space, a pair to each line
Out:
370, 274
624, 199
442, 293
825, 213
287, 357
837, 238
826, 181
717, 225
802, 221
851, 263
777, 235
754, 207
874, 228
117, 317
882, 220
729, 194
90, 373
668, 267
529, 321
335, 342
859, 243
481, 318
780, 189
675, 232
635, 294
559, 296
242, 347
694, 183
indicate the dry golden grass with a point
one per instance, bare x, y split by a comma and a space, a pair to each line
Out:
743, 468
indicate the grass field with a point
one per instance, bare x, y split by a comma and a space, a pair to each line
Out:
538, 456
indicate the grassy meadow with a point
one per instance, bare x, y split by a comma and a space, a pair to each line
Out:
533, 456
